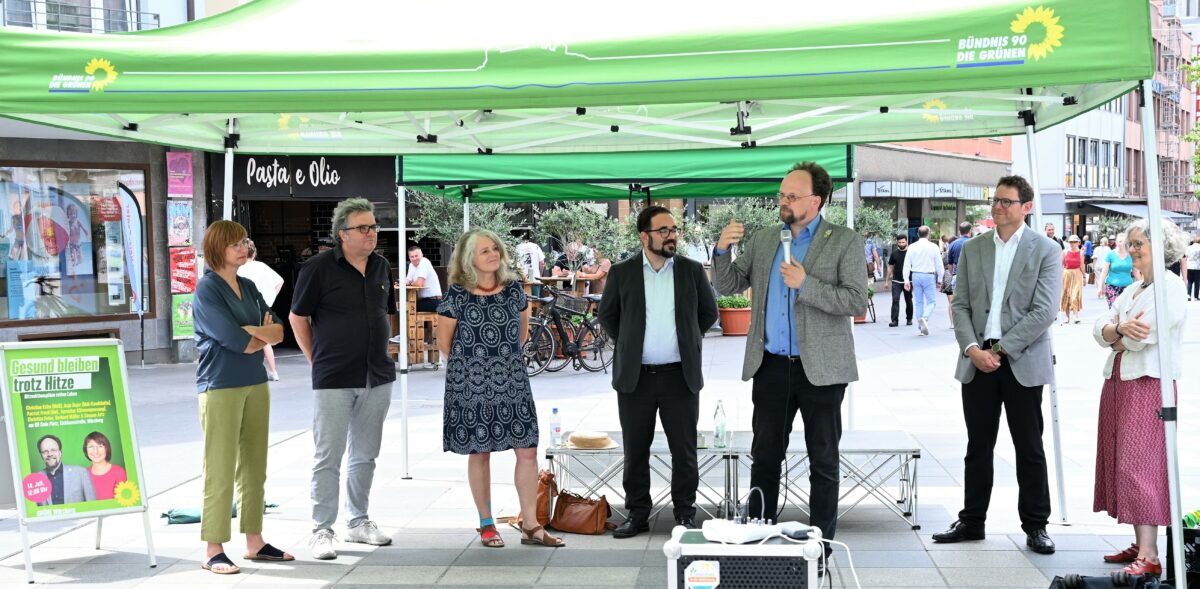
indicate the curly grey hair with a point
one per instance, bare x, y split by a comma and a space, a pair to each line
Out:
462, 263
1175, 241
343, 211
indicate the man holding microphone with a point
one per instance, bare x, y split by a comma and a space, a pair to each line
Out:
808, 283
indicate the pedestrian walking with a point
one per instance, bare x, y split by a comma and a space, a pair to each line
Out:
923, 273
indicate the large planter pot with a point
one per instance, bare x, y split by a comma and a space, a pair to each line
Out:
735, 321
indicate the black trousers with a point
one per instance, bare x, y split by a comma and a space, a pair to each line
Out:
665, 395
897, 290
1193, 283
775, 406
428, 305
982, 399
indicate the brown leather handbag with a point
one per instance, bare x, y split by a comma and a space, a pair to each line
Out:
580, 515
546, 489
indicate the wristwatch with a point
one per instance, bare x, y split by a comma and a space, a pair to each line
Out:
998, 349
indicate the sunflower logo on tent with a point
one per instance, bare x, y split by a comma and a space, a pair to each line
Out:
101, 65
931, 105
1053, 31
126, 493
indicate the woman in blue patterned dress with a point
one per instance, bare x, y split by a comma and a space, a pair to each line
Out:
489, 405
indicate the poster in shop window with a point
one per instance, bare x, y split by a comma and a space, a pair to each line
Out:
179, 174
182, 325
73, 452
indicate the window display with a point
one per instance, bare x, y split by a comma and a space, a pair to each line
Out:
66, 249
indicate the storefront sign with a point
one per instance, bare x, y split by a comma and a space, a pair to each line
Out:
179, 174
182, 326
309, 177
73, 453
183, 270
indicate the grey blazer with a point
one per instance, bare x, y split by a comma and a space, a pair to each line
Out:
1031, 301
77, 485
835, 290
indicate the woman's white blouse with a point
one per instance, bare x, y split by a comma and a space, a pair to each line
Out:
1141, 358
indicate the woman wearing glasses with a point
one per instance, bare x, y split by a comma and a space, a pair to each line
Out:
233, 324
489, 405
1131, 460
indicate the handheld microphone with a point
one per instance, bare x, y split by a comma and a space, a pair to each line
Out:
785, 238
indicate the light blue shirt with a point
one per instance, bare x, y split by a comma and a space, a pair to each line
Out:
661, 342
780, 315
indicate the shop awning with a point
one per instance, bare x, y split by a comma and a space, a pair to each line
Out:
1137, 210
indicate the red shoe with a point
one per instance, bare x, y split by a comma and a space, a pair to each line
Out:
1124, 556
1142, 566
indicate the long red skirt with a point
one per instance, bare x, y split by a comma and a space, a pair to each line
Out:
1131, 454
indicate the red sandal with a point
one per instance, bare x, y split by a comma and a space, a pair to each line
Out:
490, 537
1124, 556
1142, 566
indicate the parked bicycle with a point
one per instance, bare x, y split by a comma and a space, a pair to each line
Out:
567, 332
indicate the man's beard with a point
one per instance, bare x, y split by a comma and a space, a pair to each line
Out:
662, 249
786, 215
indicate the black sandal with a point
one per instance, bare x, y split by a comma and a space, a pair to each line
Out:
270, 553
218, 560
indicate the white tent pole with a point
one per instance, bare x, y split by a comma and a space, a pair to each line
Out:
1157, 253
227, 211
466, 211
1031, 154
850, 224
403, 335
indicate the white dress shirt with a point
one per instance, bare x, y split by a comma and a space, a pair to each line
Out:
433, 287
1141, 358
1005, 253
661, 343
923, 256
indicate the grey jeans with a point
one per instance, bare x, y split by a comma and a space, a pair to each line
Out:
339, 415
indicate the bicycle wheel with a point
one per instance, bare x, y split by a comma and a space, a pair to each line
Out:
595, 347
558, 360
538, 349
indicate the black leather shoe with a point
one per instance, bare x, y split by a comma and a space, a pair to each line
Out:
630, 528
910, 322
958, 532
893, 324
1039, 541
686, 522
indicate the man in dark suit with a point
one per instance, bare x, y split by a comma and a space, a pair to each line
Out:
657, 307
1006, 300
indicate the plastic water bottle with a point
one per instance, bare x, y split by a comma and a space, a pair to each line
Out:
720, 433
555, 428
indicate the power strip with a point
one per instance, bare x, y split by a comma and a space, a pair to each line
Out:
729, 532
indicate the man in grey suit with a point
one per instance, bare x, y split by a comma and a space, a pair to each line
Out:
808, 283
68, 483
1006, 299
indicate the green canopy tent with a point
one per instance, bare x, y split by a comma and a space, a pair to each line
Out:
466, 76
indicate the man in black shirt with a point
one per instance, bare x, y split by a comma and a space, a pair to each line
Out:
895, 270
340, 311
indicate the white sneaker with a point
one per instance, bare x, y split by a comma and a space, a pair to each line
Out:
367, 533
924, 326
321, 544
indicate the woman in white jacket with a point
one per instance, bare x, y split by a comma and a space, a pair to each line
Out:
1131, 459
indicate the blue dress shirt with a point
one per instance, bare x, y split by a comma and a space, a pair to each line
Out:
661, 343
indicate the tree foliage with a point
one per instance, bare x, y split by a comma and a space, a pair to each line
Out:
442, 219
876, 221
753, 213
1110, 225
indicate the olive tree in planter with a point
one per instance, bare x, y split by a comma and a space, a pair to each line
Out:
753, 213
566, 223
735, 314
442, 219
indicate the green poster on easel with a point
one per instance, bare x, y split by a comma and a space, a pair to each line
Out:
72, 447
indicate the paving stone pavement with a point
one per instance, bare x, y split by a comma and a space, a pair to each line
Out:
907, 384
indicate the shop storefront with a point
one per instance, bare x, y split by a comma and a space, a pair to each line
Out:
83, 244
286, 204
